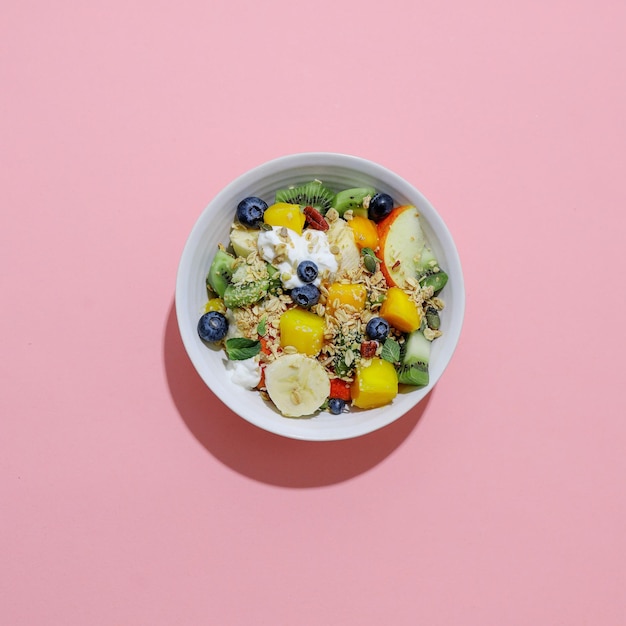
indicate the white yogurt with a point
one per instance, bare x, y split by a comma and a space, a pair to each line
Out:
246, 373
311, 246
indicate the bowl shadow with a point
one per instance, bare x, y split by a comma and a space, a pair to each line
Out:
264, 456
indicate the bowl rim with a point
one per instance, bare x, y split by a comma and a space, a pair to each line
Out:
291, 428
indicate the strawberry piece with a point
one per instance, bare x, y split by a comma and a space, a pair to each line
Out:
368, 349
339, 389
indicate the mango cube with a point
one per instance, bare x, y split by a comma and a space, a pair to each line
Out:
375, 384
365, 232
340, 294
285, 214
303, 330
400, 311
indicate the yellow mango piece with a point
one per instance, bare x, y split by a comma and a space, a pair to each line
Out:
303, 330
285, 214
400, 311
365, 232
340, 294
375, 384
215, 304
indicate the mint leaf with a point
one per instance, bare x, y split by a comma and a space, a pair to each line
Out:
261, 329
391, 350
240, 348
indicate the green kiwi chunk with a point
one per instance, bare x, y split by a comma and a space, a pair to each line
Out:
429, 274
413, 368
352, 200
432, 318
274, 285
220, 272
436, 280
312, 194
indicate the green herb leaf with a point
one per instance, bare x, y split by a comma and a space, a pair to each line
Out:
261, 329
391, 350
240, 348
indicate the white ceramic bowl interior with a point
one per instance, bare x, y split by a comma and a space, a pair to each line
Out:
336, 171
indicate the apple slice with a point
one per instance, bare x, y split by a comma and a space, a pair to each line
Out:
400, 240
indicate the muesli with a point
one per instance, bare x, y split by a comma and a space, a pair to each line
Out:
325, 300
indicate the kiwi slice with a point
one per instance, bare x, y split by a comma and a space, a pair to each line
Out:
352, 200
433, 321
436, 280
428, 272
220, 272
413, 368
310, 194
275, 285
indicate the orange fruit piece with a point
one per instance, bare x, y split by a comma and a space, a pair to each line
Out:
365, 232
400, 311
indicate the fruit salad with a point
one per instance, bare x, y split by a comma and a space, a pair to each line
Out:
324, 300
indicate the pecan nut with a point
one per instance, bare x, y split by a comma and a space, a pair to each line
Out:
314, 219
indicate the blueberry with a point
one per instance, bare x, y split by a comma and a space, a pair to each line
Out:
380, 206
336, 405
306, 296
307, 271
377, 328
213, 326
250, 211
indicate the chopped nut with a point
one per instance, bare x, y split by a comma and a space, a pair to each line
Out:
431, 334
349, 357
332, 215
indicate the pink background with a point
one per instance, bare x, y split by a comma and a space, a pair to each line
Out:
130, 495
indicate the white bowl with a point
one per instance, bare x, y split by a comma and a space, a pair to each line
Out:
337, 171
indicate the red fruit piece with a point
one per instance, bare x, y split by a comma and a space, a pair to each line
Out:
261, 384
265, 349
314, 219
339, 389
368, 349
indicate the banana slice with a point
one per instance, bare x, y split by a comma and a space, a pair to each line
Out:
297, 384
341, 235
243, 241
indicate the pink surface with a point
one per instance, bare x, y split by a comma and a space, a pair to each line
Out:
130, 495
